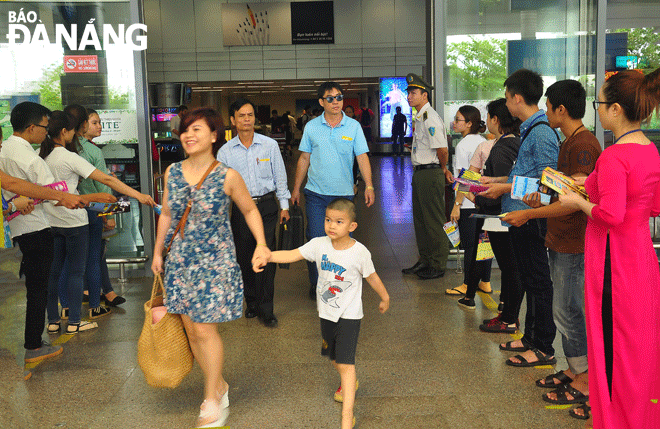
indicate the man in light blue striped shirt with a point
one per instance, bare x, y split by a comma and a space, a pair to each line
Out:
258, 160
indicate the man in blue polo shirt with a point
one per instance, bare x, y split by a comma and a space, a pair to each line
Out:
539, 148
329, 145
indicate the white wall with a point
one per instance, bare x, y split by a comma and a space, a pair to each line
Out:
372, 38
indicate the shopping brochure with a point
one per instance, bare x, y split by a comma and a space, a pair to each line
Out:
122, 205
451, 229
522, 186
468, 181
559, 182
58, 186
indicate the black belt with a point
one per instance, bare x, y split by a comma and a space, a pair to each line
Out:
425, 166
263, 198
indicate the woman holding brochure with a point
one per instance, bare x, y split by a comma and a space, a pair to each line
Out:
500, 160
467, 121
623, 329
70, 227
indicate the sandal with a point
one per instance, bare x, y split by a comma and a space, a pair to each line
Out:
458, 290
54, 328
585, 412
549, 383
509, 348
542, 360
72, 329
562, 396
211, 415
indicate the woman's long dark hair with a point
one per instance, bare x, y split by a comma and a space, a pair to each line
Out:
57, 122
80, 116
508, 124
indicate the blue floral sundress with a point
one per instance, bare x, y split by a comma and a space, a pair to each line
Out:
202, 277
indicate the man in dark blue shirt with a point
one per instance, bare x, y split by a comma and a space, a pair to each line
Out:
399, 130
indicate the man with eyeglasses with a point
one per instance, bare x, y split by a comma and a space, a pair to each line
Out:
32, 231
329, 145
429, 156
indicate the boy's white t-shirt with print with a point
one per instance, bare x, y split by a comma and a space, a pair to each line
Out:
339, 288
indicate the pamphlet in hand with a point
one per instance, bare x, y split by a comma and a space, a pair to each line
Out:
122, 205
451, 229
487, 216
58, 186
522, 186
468, 181
559, 182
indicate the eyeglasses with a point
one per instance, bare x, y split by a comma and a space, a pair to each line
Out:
45, 127
459, 120
597, 103
337, 97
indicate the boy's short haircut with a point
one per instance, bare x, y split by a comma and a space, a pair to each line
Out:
344, 205
527, 83
27, 113
328, 86
569, 93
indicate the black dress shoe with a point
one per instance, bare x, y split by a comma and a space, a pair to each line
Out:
119, 300
415, 268
250, 313
269, 320
429, 273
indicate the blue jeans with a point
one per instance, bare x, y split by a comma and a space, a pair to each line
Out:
70, 253
315, 205
94, 252
567, 272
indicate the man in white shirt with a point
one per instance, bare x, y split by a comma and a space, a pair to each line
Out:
31, 231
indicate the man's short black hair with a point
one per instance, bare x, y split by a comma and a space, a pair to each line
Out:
569, 93
181, 108
527, 83
274, 112
307, 108
27, 113
236, 105
398, 109
328, 86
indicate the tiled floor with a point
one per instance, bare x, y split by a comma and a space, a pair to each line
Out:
423, 364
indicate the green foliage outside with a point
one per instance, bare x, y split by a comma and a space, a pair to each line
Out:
50, 91
477, 68
643, 43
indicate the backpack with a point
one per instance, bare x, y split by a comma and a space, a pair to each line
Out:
365, 118
300, 123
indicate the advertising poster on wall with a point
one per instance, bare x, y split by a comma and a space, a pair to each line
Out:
117, 127
277, 23
393, 95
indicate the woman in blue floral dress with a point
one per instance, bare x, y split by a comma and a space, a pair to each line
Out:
202, 278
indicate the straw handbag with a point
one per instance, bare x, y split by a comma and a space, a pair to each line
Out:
163, 350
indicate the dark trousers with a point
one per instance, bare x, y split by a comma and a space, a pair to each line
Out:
503, 250
428, 207
397, 142
532, 261
470, 230
258, 288
37, 250
93, 277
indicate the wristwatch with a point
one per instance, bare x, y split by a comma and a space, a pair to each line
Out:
457, 203
12, 207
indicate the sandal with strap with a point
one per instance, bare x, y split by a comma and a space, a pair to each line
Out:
80, 327
211, 415
54, 328
524, 363
562, 396
509, 348
585, 412
548, 382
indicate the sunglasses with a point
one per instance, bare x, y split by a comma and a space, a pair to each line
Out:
330, 98
42, 126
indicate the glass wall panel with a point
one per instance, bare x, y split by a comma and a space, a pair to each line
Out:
489, 39
59, 53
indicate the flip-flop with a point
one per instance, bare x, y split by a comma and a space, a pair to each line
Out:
454, 291
561, 376
542, 360
562, 393
508, 348
585, 410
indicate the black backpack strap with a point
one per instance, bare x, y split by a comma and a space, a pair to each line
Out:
529, 130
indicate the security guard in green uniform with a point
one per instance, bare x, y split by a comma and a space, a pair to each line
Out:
429, 158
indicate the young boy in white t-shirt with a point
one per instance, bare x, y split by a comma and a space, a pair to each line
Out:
342, 262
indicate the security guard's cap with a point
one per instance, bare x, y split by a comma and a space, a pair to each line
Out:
415, 81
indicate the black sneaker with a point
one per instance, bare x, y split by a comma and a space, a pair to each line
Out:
95, 313
467, 303
500, 307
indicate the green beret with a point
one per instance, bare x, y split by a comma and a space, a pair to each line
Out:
415, 81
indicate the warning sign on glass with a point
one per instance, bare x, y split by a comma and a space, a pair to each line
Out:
81, 64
